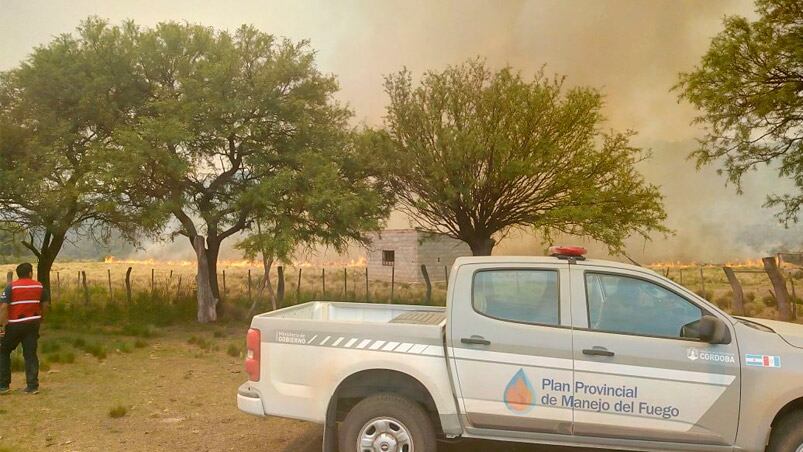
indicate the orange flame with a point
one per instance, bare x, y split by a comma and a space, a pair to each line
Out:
241, 263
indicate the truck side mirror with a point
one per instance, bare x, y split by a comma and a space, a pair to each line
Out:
713, 330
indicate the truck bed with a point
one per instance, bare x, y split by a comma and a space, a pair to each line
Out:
324, 311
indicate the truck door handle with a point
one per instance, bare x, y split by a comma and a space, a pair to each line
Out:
598, 351
477, 340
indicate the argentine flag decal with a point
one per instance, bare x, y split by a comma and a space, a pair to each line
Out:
762, 361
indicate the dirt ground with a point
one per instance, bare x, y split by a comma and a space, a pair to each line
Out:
177, 396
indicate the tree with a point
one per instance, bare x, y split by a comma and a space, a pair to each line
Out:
475, 154
749, 89
229, 116
318, 203
58, 110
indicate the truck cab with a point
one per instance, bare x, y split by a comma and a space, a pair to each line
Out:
556, 350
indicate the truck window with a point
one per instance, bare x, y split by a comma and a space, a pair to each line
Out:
526, 296
621, 304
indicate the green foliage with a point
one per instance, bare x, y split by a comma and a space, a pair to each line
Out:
473, 154
243, 126
233, 351
139, 343
118, 411
58, 110
747, 87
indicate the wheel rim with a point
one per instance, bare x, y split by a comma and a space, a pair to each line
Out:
384, 434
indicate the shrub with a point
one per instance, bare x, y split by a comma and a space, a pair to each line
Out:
50, 346
233, 351
123, 347
96, 350
139, 343
219, 334
118, 411
17, 361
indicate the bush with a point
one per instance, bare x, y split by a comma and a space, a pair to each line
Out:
96, 350
233, 351
139, 330
50, 346
139, 343
123, 347
118, 411
79, 342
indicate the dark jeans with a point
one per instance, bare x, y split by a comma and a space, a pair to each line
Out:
27, 334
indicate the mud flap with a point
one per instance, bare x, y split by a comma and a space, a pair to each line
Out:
330, 428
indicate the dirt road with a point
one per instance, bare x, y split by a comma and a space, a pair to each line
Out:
177, 397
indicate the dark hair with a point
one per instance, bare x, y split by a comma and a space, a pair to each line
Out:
24, 270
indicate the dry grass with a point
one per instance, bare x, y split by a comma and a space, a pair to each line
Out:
174, 280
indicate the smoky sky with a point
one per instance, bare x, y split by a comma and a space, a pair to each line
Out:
630, 50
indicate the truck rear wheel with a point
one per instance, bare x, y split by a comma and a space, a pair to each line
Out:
787, 436
387, 423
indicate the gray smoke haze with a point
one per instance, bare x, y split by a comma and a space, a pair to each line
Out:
630, 49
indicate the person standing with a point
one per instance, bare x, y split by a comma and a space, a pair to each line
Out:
21, 306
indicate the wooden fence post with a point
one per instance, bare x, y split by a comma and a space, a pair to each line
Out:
249, 285
111, 294
153, 282
392, 280
681, 276
323, 282
280, 286
223, 295
446, 274
794, 297
427, 281
778, 282
298, 287
345, 283
367, 294
86, 289
58, 285
128, 285
702, 281
9, 277
737, 305
178, 288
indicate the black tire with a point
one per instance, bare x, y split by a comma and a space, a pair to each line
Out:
409, 414
787, 435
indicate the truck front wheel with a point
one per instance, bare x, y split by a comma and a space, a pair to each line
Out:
387, 423
787, 436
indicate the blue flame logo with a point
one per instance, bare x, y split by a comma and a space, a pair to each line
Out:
519, 395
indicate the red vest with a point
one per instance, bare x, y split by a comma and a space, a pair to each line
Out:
25, 304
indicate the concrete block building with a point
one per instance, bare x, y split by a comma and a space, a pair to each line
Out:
404, 250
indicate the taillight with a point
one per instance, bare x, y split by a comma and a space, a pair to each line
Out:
252, 343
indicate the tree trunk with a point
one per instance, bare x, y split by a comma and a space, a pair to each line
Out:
778, 282
43, 268
267, 263
207, 302
481, 246
738, 294
212, 252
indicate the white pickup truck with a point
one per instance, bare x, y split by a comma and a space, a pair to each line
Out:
553, 350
